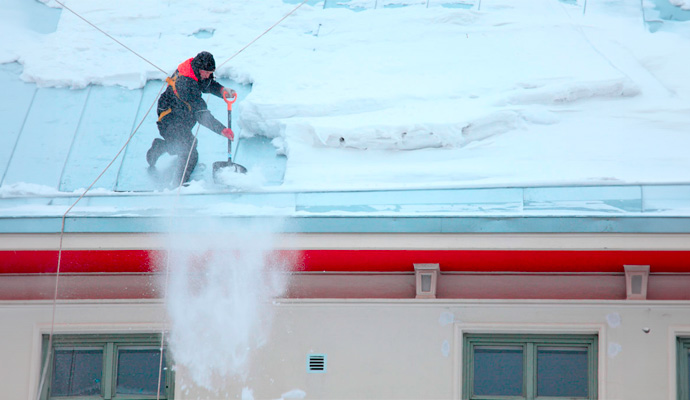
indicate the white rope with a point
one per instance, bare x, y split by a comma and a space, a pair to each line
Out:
167, 263
64, 216
106, 34
263, 33
60, 247
179, 188
184, 172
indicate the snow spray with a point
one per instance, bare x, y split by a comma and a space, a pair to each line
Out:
221, 285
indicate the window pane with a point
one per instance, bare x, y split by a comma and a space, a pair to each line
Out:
77, 372
688, 371
137, 371
562, 371
498, 371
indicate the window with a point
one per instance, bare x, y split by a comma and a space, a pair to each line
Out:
109, 367
683, 368
498, 366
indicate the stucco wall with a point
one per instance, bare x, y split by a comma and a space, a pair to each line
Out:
376, 349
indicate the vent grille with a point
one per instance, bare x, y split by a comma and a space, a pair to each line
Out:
316, 363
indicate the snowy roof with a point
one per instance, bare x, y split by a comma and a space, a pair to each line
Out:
360, 116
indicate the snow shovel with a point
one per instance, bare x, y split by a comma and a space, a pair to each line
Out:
218, 165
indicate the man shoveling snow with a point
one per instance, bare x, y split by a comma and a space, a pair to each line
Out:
180, 107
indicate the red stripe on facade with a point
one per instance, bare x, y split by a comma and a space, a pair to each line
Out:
128, 261
82, 261
495, 260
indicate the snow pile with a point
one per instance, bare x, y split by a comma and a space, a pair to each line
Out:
26, 190
683, 4
515, 92
228, 176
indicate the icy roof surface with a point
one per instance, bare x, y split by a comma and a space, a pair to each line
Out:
520, 115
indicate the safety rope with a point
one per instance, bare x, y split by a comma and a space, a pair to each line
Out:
167, 261
112, 38
263, 33
62, 234
179, 187
44, 371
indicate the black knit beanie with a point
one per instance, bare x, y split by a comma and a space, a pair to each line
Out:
204, 61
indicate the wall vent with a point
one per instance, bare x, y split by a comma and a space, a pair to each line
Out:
426, 277
636, 281
316, 363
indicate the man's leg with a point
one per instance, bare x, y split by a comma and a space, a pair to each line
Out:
187, 156
159, 146
179, 141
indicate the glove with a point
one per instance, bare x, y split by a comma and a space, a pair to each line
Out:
229, 93
228, 133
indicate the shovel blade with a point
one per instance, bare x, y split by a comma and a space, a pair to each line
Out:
218, 165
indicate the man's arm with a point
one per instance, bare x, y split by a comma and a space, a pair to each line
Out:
214, 88
192, 96
205, 118
217, 89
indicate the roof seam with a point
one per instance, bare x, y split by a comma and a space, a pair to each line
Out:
74, 137
19, 134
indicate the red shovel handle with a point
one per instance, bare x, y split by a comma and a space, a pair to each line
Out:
225, 97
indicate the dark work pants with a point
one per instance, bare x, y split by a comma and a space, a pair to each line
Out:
178, 140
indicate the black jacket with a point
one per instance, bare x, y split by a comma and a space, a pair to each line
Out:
181, 103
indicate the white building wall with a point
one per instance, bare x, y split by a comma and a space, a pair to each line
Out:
376, 349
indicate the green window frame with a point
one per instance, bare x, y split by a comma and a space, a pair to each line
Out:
518, 375
105, 367
683, 367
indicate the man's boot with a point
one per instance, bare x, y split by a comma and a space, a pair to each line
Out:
156, 150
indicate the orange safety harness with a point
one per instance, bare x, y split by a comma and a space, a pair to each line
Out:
184, 69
